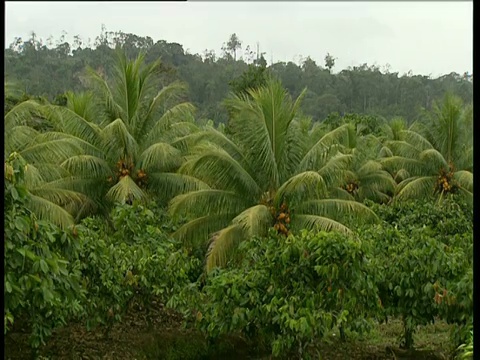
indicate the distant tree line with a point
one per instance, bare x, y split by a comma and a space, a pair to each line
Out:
49, 69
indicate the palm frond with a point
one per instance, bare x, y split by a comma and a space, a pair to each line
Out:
396, 163
198, 231
255, 140
221, 245
433, 160
295, 146
318, 223
415, 188
465, 179
118, 142
401, 175
72, 123
85, 146
86, 105
334, 170
308, 184
126, 190
219, 170
168, 185
466, 195
87, 166
58, 196
188, 142
337, 139
342, 194
178, 131
46, 210
160, 156
20, 114
33, 176
167, 97
403, 148
53, 151
336, 209
254, 221
445, 127
19, 138
179, 113
416, 139
379, 180
370, 166
385, 152
207, 201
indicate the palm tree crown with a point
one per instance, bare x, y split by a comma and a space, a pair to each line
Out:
265, 175
435, 157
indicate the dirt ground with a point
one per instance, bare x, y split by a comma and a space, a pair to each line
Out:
163, 338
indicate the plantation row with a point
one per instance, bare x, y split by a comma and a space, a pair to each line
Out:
283, 294
268, 226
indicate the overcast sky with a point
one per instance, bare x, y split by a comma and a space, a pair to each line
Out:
426, 37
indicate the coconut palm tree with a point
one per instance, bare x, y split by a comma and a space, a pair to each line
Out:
264, 175
125, 128
436, 157
49, 199
105, 147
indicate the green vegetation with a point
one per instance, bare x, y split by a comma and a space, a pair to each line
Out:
51, 67
235, 222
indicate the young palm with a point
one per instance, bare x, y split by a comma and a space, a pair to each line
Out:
126, 129
438, 156
264, 176
50, 199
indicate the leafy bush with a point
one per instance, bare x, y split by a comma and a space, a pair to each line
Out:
53, 276
425, 271
289, 292
42, 283
444, 220
138, 261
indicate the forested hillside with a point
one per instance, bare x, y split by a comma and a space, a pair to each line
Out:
51, 67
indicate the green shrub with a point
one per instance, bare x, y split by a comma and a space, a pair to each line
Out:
424, 254
136, 262
42, 278
288, 292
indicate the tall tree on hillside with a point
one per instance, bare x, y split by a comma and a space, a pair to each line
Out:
329, 62
233, 45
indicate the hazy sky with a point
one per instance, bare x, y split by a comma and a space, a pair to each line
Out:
425, 37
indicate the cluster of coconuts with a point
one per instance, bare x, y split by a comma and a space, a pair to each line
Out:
141, 178
125, 169
351, 187
282, 219
445, 182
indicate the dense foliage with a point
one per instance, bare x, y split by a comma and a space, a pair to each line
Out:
290, 291
433, 247
273, 226
42, 278
90, 272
